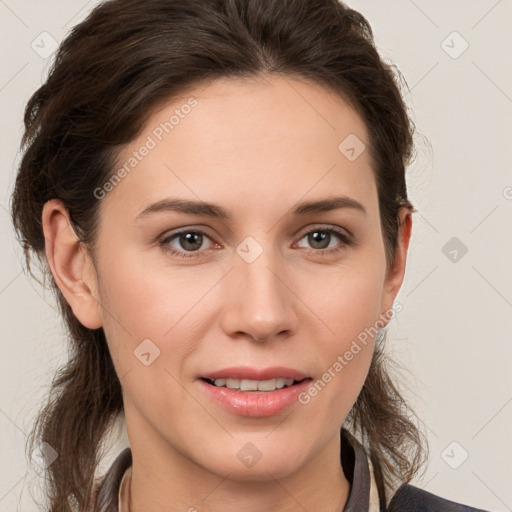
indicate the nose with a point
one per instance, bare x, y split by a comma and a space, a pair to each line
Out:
260, 304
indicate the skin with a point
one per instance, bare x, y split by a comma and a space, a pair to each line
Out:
256, 148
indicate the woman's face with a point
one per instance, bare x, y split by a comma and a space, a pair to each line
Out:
254, 288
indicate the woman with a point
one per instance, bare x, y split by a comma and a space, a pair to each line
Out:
218, 190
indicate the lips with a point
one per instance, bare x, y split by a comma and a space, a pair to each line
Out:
249, 400
260, 374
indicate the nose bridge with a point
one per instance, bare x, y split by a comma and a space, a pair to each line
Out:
260, 302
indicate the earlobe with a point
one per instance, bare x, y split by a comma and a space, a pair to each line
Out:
71, 265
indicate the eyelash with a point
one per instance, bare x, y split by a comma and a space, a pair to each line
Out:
345, 239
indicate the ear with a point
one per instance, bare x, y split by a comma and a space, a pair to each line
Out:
395, 273
71, 265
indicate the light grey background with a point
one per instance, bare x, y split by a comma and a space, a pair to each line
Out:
453, 336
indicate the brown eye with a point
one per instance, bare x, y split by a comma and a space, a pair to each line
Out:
185, 244
320, 240
190, 241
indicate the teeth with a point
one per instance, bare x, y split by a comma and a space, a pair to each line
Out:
232, 383
265, 385
249, 385
254, 385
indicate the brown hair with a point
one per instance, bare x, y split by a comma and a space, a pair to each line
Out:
109, 75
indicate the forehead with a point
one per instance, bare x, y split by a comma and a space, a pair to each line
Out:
248, 143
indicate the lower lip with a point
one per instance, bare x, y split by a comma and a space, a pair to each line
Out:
255, 403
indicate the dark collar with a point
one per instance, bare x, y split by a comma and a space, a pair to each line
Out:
355, 466
353, 460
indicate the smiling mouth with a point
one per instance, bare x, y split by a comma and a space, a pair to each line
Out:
254, 385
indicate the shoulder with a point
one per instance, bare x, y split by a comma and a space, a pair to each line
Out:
410, 498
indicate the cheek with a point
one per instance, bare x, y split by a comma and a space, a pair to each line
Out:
348, 302
163, 305
147, 326
348, 309
150, 301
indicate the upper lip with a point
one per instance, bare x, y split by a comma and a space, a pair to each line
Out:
246, 372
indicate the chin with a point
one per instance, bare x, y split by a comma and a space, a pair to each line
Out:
250, 464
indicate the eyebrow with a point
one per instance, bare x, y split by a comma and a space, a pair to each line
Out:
212, 210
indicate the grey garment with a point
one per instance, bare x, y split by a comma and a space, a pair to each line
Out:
355, 467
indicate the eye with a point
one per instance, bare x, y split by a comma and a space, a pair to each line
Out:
188, 242
320, 240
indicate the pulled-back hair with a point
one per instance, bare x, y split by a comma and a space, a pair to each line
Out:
109, 75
